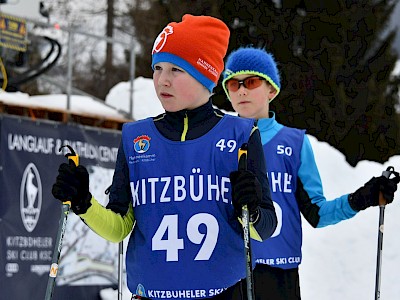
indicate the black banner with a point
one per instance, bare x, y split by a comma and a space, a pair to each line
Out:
29, 215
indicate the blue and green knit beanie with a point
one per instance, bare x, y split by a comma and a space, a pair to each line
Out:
252, 61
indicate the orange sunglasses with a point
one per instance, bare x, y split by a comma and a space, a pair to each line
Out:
233, 85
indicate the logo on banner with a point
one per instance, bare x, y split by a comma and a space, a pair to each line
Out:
30, 197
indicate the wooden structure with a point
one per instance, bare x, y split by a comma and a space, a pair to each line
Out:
59, 115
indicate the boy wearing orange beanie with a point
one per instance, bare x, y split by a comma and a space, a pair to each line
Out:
175, 187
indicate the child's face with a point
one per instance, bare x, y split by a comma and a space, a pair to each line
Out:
176, 89
251, 103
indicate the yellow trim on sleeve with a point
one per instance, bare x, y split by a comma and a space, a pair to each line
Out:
108, 224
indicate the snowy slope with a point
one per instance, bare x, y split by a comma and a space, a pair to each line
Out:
339, 262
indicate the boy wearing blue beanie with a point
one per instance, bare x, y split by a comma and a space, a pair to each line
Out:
251, 81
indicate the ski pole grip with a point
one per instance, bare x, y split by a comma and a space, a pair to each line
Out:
242, 154
386, 173
72, 156
242, 166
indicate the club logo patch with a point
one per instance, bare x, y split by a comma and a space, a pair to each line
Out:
30, 197
141, 144
162, 39
140, 290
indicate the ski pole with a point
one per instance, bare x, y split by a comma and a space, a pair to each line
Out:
72, 156
120, 259
246, 225
382, 202
120, 262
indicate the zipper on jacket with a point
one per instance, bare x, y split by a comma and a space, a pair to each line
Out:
185, 127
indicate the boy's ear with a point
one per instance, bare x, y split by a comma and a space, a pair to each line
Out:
272, 93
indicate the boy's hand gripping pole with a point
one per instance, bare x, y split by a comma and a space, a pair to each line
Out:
382, 202
73, 157
242, 157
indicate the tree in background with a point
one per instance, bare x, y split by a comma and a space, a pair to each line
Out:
105, 73
336, 63
336, 60
97, 65
149, 17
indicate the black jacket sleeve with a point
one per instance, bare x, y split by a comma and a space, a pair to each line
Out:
120, 193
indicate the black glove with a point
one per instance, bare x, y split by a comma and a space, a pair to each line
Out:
368, 195
72, 184
246, 189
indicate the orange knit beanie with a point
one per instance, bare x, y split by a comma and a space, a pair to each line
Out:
198, 45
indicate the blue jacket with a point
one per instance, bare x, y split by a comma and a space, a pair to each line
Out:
296, 188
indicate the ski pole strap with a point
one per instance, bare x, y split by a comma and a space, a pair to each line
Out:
71, 155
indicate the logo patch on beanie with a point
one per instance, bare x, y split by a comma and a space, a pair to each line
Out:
207, 66
162, 39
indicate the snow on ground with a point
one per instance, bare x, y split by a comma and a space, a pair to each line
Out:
339, 262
